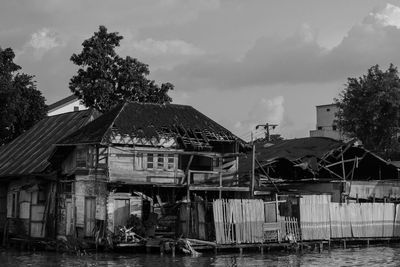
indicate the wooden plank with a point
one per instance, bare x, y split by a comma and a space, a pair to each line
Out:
217, 188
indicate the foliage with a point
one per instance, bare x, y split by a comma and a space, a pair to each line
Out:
105, 79
369, 109
21, 104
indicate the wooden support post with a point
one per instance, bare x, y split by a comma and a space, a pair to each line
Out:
215, 250
368, 243
253, 160
344, 244
343, 168
173, 251
162, 249
321, 247
277, 210
262, 250
220, 184
148, 249
329, 245
241, 250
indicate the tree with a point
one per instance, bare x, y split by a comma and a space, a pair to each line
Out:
369, 109
21, 104
105, 79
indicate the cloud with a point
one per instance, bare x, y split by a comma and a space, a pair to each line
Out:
388, 16
298, 58
41, 42
263, 111
171, 47
44, 39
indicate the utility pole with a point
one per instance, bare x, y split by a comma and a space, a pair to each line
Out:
253, 160
266, 127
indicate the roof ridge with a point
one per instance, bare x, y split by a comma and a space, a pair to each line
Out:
156, 104
62, 101
113, 121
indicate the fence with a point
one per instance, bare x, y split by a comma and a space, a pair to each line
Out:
321, 220
362, 220
239, 221
314, 217
251, 221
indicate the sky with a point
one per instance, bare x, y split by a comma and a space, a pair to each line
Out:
242, 63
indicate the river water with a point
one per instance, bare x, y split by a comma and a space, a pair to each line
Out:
373, 256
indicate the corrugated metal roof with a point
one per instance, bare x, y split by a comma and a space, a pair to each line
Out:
28, 153
291, 149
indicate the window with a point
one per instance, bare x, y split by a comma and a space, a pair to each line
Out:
171, 162
14, 207
81, 155
328, 109
334, 127
160, 161
138, 161
150, 161
103, 154
76, 108
319, 127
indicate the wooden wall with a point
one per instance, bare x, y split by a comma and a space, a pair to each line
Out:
374, 189
3, 205
124, 166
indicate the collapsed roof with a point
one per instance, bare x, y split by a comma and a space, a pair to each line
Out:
28, 154
150, 124
319, 158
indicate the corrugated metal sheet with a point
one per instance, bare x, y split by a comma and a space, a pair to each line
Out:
291, 149
29, 153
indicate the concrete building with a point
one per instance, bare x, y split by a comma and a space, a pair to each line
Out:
326, 125
68, 104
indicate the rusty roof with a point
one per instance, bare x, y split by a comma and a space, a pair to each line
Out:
147, 120
29, 153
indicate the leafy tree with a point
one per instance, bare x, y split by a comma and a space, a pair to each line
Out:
21, 104
105, 79
369, 109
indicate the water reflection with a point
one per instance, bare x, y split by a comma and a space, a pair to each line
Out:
374, 256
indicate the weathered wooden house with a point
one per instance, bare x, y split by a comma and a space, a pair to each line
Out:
28, 183
138, 153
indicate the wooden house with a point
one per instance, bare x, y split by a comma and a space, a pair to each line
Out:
28, 183
136, 155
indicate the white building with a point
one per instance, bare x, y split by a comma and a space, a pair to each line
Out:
68, 104
326, 126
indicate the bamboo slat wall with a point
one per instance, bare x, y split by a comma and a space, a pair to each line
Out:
254, 221
314, 217
238, 221
363, 220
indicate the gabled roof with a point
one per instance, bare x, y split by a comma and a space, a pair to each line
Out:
134, 121
62, 102
29, 153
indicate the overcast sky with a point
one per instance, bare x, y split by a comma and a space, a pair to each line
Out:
240, 62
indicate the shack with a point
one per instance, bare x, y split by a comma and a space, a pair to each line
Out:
136, 160
322, 165
28, 183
